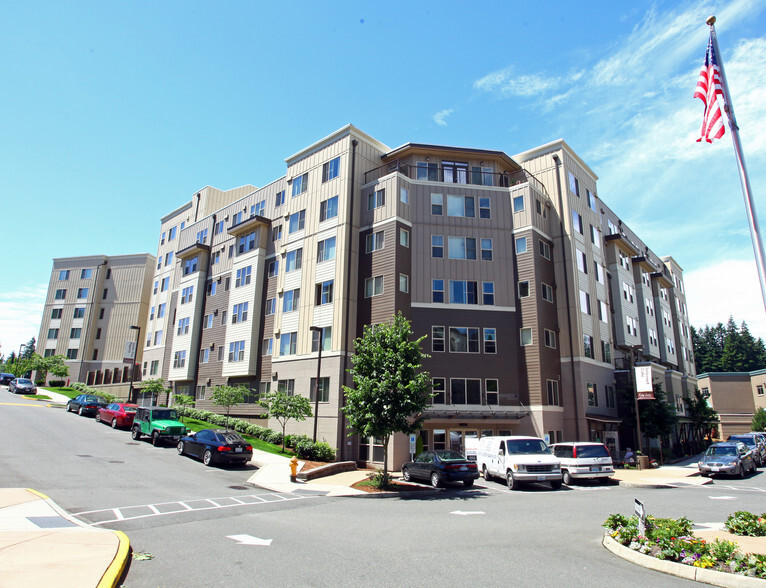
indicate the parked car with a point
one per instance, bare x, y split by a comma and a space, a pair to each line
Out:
216, 446
440, 466
6, 379
117, 414
584, 461
22, 386
517, 460
86, 404
160, 423
753, 441
728, 457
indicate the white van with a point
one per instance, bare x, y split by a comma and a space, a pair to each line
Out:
518, 459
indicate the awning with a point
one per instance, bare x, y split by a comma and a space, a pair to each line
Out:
604, 419
497, 414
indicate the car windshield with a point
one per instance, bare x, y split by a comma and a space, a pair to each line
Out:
94, 399
592, 451
24, 381
449, 455
164, 414
721, 450
527, 446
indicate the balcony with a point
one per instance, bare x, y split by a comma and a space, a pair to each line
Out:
448, 174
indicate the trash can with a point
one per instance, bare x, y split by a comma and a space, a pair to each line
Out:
644, 463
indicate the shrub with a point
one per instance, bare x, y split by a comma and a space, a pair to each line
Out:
746, 524
56, 383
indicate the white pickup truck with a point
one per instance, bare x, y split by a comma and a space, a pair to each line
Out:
517, 460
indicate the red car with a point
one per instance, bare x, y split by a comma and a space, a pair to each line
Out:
117, 414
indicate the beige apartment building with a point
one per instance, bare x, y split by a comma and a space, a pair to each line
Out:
735, 396
536, 298
94, 305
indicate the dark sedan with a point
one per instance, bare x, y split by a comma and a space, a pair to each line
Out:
22, 386
117, 414
86, 404
216, 446
6, 379
440, 466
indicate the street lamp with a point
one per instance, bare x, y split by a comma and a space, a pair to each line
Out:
133, 362
317, 330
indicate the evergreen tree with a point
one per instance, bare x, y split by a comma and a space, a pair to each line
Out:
727, 348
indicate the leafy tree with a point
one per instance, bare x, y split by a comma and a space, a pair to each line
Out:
282, 408
183, 400
390, 393
702, 416
759, 420
228, 396
53, 364
156, 386
658, 417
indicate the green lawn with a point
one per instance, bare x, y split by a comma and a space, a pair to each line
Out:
70, 392
196, 425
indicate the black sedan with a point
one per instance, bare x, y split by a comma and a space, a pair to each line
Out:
216, 446
86, 404
6, 379
22, 386
441, 466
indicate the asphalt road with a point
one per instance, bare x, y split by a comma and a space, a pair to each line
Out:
183, 516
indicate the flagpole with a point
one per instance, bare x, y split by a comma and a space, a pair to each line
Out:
728, 107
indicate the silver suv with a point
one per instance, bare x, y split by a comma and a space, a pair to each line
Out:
582, 460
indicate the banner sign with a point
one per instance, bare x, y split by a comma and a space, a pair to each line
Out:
644, 387
130, 352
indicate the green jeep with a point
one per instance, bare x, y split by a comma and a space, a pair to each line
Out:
159, 423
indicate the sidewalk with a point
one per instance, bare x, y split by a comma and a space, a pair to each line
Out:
683, 473
41, 545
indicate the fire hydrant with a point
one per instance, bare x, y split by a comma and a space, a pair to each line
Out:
293, 468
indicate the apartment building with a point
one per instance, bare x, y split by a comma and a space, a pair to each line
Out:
735, 396
93, 306
536, 298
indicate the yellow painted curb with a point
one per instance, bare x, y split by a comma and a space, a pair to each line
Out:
40, 494
114, 572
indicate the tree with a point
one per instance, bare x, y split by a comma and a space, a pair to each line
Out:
726, 348
29, 349
228, 396
759, 420
183, 400
156, 386
390, 393
703, 418
282, 408
53, 364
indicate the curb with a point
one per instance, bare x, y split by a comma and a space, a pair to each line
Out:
627, 484
702, 575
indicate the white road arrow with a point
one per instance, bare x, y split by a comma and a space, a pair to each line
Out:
249, 540
464, 513
721, 497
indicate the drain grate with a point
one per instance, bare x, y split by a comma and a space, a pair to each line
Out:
54, 522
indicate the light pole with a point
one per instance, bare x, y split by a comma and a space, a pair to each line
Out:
133, 362
18, 360
317, 330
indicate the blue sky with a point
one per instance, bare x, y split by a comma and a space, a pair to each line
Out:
113, 114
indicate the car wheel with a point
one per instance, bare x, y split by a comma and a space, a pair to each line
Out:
406, 474
467, 483
155, 438
486, 474
135, 432
80, 412
567, 477
556, 484
114, 423
98, 417
207, 457
435, 479
180, 448
513, 483
69, 408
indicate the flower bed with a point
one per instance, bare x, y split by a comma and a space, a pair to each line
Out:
672, 540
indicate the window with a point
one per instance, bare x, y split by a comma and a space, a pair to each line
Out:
427, 171
526, 336
653, 340
670, 345
518, 203
376, 199
606, 352
576, 221
272, 268
290, 300
463, 292
212, 287
79, 312
592, 394
591, 200
156, 284
611, 400
603, 311
98, 334
439, 389
257, 209
632, 325
375, 241
330, 169
239, 313
60, 294
300, 184
288, 343
294, 260
218, 228
168, 258
493, 391
550, 338
624, 260
404, 195
63, 275
205, 355
554, 398
544, 249
286, 387
183, 326
523, 289
164, 284
53, 333
202, 236
404, 283
759, 389
599, 271
463, 340
323, 389
154, 367
86, 274
104, 294
373, 286
574, 185
437, 204
326, 336
328, 209
324, 293
437, 339
279, 199
276, 233
627, 292
488, 293
246, 243
465, 391
462, 247
326, 250
595, 237
490, 340
179, 359
236, 351
521, 245
158, 338
437, 291
404, 237
437, 246
82, 293
455, 172
187, 294
191, 266
649, 306
587, 343
547, 292
582, 261
221, 351
464, 206
486, 249
297, 221
161, 310
271, 306
584, 302
484, 208
56, 313
162, 239
71, 353
172, 233
267, 346
207, 321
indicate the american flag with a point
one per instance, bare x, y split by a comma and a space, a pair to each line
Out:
708, 89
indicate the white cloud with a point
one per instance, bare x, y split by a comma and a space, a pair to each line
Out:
440, 118
20, 314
